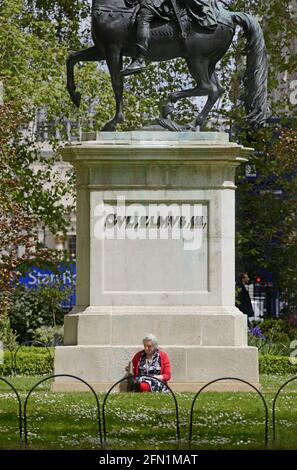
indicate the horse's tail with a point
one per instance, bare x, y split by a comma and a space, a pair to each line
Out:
255, 79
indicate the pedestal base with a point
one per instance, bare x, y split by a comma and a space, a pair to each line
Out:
192, 367
190, 336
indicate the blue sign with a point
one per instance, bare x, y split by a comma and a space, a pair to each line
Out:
66, 277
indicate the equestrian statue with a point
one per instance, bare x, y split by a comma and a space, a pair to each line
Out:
200, 31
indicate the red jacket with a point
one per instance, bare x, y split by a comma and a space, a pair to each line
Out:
165, 365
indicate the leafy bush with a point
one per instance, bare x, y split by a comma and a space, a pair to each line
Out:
273, 336
29, 361
265, 345
7, 335
50, 335
276, 365
33, 308
290, 322
278, 330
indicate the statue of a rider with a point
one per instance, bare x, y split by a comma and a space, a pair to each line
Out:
203, 11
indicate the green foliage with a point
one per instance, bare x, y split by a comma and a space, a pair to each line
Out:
266, 211
35, 43
274, 338
278, 330
31, 56
266, 202
49, 335
266, 347
276, 365
29, 361
237, 293
7, 335
278, 21
31, 309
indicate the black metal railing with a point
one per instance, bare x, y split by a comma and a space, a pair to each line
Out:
53, 377
20, 408
274, 405
220, 380
127, 379
23, 420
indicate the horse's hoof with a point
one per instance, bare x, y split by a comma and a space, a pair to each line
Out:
167, 110
168, 124
190, 127
76, 98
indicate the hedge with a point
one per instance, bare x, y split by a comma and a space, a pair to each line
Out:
29, 361
276, 365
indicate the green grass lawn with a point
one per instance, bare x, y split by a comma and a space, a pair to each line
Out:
147, 421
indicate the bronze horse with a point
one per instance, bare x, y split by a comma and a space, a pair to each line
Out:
114, 36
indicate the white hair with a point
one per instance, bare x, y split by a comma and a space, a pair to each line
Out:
152, 338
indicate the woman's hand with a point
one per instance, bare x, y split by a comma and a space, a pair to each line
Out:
160, 377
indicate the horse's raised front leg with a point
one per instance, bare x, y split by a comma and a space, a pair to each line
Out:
173, 97
114, 63
86, 55
168, 108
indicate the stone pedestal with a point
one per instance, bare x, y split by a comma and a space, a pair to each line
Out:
155, 254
